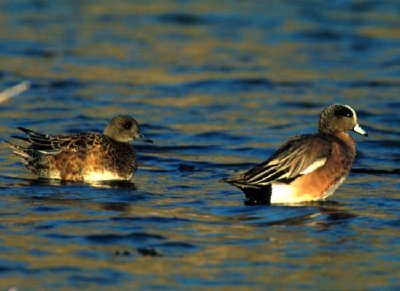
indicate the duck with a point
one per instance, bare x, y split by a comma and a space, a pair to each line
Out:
308, 167
86, 156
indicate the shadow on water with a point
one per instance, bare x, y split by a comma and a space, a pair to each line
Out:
376, 171
323, 214
61, 183
107, 195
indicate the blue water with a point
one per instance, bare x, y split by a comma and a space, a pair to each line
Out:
218, 85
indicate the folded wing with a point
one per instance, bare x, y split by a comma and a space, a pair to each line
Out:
49, 144
298, 156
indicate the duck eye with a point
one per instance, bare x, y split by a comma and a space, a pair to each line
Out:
127, 125
344, 111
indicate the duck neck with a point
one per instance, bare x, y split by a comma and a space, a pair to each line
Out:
346, 138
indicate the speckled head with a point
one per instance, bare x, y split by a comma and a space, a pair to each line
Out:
339, 118
124, 128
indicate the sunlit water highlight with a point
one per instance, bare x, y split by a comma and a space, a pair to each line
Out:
218, 85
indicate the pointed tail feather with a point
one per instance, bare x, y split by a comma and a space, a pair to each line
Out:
21, 138
42, 143
31, 132
19, 151
255, 195
238, 182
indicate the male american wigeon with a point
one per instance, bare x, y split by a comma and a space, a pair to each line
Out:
306, 167
83, 157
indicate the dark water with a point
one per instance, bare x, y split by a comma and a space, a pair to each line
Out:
218, 85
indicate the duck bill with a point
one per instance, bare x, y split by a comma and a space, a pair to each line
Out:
358, 129
142, 138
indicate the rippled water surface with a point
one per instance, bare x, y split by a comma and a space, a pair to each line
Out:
218, 85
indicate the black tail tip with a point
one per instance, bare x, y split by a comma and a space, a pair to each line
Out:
23, 129
226, 180
223, 180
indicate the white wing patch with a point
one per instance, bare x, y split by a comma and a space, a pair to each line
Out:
318, 163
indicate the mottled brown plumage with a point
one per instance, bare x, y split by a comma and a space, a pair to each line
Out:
85, 156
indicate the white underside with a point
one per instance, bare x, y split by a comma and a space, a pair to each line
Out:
102, 176
284, 193
93, 177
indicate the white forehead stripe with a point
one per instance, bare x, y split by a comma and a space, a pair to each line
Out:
354, 112
351, 109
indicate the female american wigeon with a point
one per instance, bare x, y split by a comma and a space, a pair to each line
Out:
83, 157
307, 167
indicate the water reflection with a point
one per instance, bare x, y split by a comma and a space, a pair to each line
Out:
218, 86
320, 214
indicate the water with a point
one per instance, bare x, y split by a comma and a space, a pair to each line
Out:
218, 85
